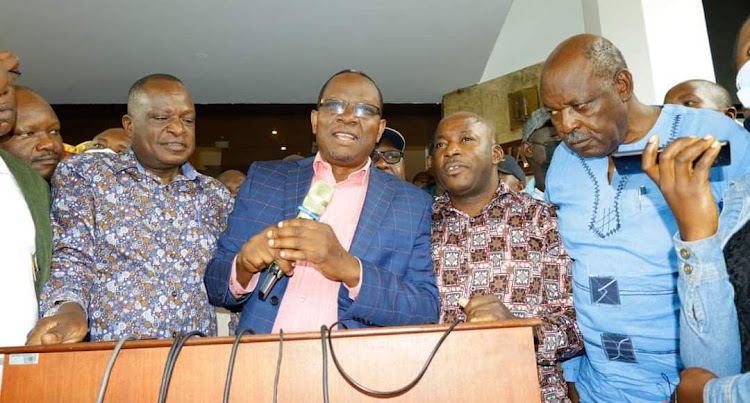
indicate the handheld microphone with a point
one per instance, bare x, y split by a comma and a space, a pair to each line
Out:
316, 201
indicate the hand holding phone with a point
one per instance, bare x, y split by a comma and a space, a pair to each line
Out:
630, 162
682, 172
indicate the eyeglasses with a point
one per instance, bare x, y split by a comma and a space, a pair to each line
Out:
390, 156
338, 107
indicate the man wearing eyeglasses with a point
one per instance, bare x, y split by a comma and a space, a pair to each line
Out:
389, 153
26, 232
365, 263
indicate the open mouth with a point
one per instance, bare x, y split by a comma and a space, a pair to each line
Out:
345, 137
453, 168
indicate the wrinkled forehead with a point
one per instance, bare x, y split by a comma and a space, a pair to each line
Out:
568, 80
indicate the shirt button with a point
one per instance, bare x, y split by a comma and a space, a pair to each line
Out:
274, 300
687, 268
174, 294
685, 254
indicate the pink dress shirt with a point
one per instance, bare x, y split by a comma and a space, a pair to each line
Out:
311, 299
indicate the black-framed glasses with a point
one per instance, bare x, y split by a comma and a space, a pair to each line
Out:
390, 156
338, 107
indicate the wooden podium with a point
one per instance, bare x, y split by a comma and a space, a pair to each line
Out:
478, 362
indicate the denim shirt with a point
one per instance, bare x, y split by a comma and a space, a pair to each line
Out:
709, 331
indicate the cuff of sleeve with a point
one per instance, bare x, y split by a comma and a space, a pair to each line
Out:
56, 301
719, 389
354, 291
237, 290
700, 259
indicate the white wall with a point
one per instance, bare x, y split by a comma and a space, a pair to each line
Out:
529, 33
677, 43
663, 41
622, 23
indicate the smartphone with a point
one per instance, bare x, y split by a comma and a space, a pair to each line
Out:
629, 162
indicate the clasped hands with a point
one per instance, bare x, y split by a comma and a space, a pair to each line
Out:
293, 241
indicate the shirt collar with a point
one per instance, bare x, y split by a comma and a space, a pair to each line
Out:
444, 205
127, 161
323, 169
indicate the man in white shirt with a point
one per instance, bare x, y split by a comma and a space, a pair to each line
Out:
26, 234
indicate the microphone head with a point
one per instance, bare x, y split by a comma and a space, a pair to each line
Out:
318, 197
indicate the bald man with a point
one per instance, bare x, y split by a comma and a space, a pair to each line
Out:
36, 138
115, 139
232, 179
25, 230
617, 227
702, 94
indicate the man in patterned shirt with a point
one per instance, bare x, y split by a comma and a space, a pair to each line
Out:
133, 232
497, 253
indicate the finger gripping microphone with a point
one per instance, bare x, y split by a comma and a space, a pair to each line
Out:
316, 201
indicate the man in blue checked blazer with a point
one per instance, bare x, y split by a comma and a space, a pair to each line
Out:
366, 263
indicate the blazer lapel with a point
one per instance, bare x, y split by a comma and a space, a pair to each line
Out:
297, 186
378, 199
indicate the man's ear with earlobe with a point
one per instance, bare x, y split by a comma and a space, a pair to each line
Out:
498, 155
731, 112
127, 124
624, 85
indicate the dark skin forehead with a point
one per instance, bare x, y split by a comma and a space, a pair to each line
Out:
569, 80
154, 92
465, 123
352, 87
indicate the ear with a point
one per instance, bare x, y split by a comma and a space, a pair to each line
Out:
731, 112
127, 124
526, 149
624, 85
381, 129
314, 120
429, 162
498, 155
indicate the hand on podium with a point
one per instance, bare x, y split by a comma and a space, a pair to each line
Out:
68, 325
484, 308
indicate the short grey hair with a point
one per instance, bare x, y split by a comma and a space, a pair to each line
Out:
605, 58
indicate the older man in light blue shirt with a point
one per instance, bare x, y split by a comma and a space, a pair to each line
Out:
618, 227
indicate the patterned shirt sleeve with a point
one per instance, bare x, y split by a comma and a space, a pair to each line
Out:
558, 336
73, 221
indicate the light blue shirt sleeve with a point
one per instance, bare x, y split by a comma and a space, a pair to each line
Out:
709, 329
730, 389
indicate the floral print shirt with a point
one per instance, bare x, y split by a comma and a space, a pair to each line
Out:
131, 250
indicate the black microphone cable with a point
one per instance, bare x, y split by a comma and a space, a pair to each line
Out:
171, 359
359, 386
110, 364
232, 357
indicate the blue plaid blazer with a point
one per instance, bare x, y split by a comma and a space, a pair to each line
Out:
392, 241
